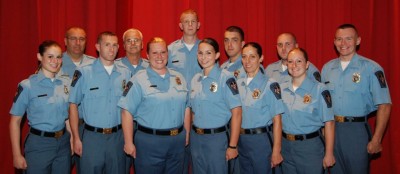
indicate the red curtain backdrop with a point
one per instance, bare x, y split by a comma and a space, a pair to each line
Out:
26, 23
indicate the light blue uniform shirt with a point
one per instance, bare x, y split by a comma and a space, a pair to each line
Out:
307, 108
182, 60
143, 64
274, 70
212, 98
236, 68
44, 101
98, 93
359, 89
260, 101
154, 101
69, 67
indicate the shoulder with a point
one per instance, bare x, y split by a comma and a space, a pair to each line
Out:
174, 44
330, 63
369, 63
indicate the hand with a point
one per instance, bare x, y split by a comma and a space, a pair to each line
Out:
276, 159
19, 162
78, 147
231, 153
71, 142
328, 161
130, 149
374, 147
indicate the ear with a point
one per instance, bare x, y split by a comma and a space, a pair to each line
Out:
243, 42
296, 45
97, 47
39, 57
308, 64
358, 40
261, 59
217, 55
198, 25
181, 25
65, 41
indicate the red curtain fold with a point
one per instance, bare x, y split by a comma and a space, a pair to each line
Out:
24, 24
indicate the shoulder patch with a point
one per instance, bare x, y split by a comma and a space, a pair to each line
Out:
231, 82
127, 88
317, 76
75, 78
19, 91
381, 78
276, 89
327, 97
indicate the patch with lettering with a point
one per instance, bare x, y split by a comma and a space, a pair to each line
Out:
276, 89
232, 86
19, 91
75, 78
381, 79
327, 98
317, 76
127, 88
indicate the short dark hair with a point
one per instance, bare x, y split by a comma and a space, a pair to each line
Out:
47, 44
302, 51
345, 26
104, 33
254, 45
236, 29
211, 42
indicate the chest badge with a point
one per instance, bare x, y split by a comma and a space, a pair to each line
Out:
178, 81
236, 73
66, 90
123, 84
256, 94
307, 99
356, 77
213, 87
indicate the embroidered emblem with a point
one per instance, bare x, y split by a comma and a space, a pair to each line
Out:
327, 97
66, 90
75, 78
356, 78
256, 94
232, 86
307, 99
276, 89
381, 79
213, 87
178, 81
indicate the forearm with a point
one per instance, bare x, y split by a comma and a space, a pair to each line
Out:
127, 126
187, 120
382, 118
277, 133
329, 137
236, 122
74, 120
15, 135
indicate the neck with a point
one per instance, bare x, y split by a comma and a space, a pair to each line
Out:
48, 74
75, 57
252, 74
189, 39
160, 71
296, 81
133, 58
347, 58
106, 62
234, 58
208, 70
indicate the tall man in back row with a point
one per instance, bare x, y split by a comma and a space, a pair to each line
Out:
358, 87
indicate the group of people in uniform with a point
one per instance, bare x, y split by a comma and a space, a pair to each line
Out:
178, 111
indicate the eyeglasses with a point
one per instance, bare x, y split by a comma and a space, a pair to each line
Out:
82, 39
134, 40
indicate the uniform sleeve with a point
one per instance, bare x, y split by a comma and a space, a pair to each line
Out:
275, 102
76, 87
325, 103
131, 98
378, 87
314, 73
231, 92
21, 101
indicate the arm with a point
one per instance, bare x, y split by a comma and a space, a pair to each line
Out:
187, 123
15, 135
329, 158
73, 122
382, 118
71, 140
236, 122
127, 127
277, 158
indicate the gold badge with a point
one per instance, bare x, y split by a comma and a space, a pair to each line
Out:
236, 73
213, 87
178, 81
256, 94
123, 85
66, 89
356, 77
307, 99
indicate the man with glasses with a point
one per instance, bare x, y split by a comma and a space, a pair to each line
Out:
278, 70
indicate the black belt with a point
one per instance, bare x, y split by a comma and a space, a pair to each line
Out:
300, 137
209, 131
103, 130
170, 132
341, 119
56, 134
254, 130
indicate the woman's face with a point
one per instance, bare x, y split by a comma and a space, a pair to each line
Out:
206, 55
297, 64
51, 60
251, 60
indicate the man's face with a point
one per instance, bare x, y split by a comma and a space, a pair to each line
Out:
75, 41
108, 47
158, 55
189, 24
346, 41
233, 43
284, 44
133, 43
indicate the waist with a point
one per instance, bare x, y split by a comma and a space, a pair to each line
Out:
169, 132
341, 119
103, 130
300, 137
209, 131
256, 130
56, 134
